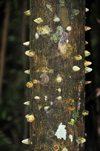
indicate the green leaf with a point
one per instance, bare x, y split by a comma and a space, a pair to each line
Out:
74, 115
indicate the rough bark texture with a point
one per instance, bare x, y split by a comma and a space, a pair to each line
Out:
60, 88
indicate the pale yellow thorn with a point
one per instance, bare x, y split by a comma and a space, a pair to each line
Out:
29, 84
87, 53
29, 53
86, 42
59, 78
37, 97
78, 57
38, 20
27, 71
87, 63
26, 141
88, 69
87, 28
26, 43
75, 68
28, 12
87, 82
82, 140
58, 89
86, 9
59, 97
27, 103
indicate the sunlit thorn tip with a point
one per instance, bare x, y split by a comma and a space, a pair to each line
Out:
26, 141
37, 97
29, 84
28, 12
38, 20
27, 103
27, 71
26, 43
86, 42
27, 115
59, 98
86, 9
78, 57
87, 53
58, 89
87, 63
59, 78
29, 53
87, 82
87, 28
76, 68
88, 69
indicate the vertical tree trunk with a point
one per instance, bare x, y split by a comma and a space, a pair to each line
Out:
57, 38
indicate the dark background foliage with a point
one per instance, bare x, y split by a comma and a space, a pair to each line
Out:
13, 125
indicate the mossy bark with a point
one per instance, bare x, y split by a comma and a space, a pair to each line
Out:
60, 89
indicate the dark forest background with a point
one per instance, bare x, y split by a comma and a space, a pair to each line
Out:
14, 30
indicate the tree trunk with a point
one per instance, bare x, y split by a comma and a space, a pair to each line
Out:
57, 40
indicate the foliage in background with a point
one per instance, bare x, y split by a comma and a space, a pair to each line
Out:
11, 105
92, 101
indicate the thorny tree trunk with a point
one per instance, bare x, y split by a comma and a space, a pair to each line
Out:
57, 71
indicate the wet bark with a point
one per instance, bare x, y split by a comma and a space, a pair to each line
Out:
58, 76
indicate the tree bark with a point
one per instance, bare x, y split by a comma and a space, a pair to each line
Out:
58, 75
